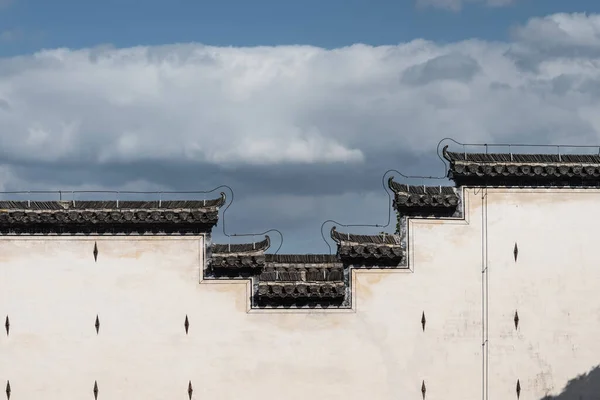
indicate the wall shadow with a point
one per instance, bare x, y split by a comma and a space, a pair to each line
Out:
583, 387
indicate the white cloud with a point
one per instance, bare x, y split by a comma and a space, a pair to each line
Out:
335, 119
457, 5
216, 105
291, 104
569, 35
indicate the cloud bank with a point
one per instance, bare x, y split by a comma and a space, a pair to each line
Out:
303, 134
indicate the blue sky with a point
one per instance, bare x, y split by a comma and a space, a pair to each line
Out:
39, 24
302, 129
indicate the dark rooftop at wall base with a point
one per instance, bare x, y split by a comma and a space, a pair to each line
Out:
300, 280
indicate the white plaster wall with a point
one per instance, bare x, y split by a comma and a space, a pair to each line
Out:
554, 286
142, 289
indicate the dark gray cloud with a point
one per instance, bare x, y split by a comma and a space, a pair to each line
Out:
301, 134
453, 66
4, 105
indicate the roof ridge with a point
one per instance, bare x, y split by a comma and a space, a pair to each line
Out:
98, 205
535, 170
397, 188
520, 157
261, 246
379, 239
302, 258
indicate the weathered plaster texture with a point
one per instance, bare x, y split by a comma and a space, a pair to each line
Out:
553, 284
142, 288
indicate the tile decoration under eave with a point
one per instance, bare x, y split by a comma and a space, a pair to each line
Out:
109, 217
383, 250
424, 201
527, 170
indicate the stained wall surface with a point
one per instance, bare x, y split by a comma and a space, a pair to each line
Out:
462, 278
552, 285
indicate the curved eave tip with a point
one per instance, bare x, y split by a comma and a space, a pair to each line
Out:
332, 233
222, 200
391, 183
445, 153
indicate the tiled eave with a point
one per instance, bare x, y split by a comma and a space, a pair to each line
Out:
314, 290
374, 249
311, 276
424, 200
302, 280
303, 261
109, 217
238, 261
304, 268
239, 256
497, 169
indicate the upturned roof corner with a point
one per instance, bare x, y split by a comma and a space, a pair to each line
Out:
243, 248
110, 217
424, 200
515, 170
239, 256
383, 249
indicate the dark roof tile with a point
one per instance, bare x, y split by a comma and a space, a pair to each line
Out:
101, 217
112, 205
218, 249
424, 200
302, 259
399, 188
545, 170
387, 239
492, 158
275, 290
237, 261
384, 250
